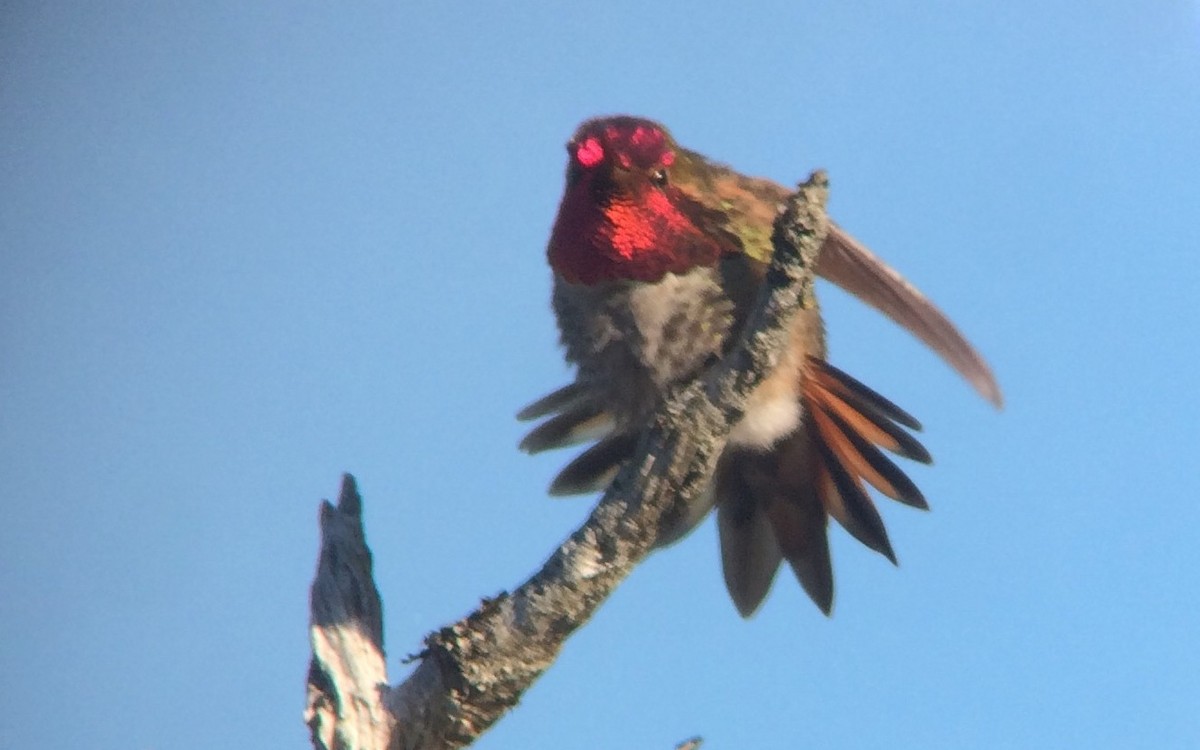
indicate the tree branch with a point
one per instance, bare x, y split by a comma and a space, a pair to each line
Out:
474, 670
348, 674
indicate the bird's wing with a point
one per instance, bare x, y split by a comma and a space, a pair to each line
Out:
850, 265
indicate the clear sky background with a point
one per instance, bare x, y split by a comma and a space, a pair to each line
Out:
245, 247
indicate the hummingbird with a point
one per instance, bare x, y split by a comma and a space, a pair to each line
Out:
658, 254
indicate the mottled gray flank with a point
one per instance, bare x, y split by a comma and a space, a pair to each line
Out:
473, 671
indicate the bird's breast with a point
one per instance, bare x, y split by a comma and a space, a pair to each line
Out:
634, 341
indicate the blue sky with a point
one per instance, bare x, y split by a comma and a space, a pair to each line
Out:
246, 247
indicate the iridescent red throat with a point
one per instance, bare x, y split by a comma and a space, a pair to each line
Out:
632, 238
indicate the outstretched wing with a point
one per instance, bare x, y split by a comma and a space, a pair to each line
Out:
850, 265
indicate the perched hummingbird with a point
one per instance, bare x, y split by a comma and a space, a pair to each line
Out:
658, 254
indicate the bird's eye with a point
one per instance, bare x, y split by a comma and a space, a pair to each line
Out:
659, 177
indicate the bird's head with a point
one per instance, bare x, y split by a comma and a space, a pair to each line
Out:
622, 217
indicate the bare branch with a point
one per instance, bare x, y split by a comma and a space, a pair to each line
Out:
473, 671
348, 672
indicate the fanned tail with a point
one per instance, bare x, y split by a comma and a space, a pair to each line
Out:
772, 505
821, 470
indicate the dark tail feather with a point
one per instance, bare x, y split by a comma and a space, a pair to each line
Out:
846, 420
552, 403
750, 555
581, 423
594, 469
867, 461
859, 408
854, 392
804, 541
845, 498
766, 512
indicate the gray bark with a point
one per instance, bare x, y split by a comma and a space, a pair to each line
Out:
472, 671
